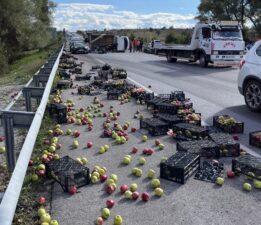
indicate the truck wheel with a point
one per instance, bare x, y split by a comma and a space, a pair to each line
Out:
202, 61
252, 94
170, 59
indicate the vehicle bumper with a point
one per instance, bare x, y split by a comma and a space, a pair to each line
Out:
226, 60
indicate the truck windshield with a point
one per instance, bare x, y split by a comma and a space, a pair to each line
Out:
227, 34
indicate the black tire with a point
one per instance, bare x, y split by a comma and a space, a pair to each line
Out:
252, 94
203, 61
170, 59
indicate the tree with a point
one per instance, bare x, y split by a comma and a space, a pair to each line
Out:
170, 38
239, 10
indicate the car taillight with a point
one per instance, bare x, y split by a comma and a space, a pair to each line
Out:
242, 62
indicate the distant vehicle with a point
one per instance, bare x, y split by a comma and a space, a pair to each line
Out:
78, 47
156, 46
249, 78
122, 43
147, 48
218, 43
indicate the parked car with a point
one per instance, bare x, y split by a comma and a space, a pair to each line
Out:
79, 48
249, 78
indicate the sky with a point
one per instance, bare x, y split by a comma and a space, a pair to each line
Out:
122, 14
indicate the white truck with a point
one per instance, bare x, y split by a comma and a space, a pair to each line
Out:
220, 43
122, 43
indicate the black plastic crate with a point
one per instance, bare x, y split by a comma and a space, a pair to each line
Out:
228, 147
179, 167
83, 77
59, 111
114, 94
84, 90
234, 128
152, 103
170, 108
68, 172
210, 171
64, 84
154, 126
205, 148
64, 74
170, 119
255, 139
249, 165
190, 131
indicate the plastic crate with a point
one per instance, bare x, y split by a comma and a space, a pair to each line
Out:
64, 84
205, 148
114, 94
170, 119
84, 90
68, 172
210, 171
228, 147
82, 77
166, 107
154, 126
249, 165
59, 111
174, 95
255, 139
179, 167
236, 128
191, 131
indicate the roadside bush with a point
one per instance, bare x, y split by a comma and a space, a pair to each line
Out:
3, 62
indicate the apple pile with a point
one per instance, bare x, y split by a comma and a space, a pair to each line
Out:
124, 98
137, 172
111, 184
104, 149
99, 173
45, 218
147, 151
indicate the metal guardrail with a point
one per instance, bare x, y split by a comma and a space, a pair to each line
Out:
12, 193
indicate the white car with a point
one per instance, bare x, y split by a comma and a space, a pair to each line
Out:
249, 78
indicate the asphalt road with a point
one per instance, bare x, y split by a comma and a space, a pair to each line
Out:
196, 202
213, 90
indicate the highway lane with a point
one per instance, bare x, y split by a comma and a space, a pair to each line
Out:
213, 90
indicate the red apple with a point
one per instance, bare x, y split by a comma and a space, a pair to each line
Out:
31, 162
135, 195
46, 142
42, 200
134, 150
72, 190
124, 188
150, 151
105, 114
76, 133
90, 128
230, 174
118, 113
125, 127
2, 138
110, 189
145, 196
145, 151
110, 203
58, 146
157, 142
89, 144
133, 129
81, 109
40, 173
103, 178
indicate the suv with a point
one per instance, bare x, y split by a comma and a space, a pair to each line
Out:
249, 78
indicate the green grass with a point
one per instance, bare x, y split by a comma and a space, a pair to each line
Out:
22, 70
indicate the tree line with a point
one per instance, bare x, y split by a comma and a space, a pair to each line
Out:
24, 25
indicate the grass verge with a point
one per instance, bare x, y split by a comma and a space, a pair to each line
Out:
23, 69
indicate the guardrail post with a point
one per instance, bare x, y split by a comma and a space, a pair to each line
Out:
28, 104
9, 142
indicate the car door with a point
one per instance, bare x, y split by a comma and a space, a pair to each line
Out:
257, 60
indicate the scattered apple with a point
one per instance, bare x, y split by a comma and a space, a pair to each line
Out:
41, 211
135, 195
155, 183
133, 129
110, 189
128, 194
75, 144
247, 186
158, 192
257, 184
133, 187
76, 133
124, 188
145, 196
144, 138
2, 138
34, 177
68, 131
99, 221
103, 178
220, 181
31, 162
151, 174
102, 150
73, 190
142, 160
161, 146
54, 222
114, 177
118, 220
105, 213
110, 203
94, 179
134, 150
230, 174
2, 150
157, 142
45, 218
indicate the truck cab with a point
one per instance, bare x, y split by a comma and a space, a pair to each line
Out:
218, 43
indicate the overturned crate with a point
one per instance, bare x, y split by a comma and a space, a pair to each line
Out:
228, 147
68, 172
255, 139
84, 90
171, 119
190, 131
179, 167
205, 148
114, 94
154, 126
228, 124
59, 111
248, 165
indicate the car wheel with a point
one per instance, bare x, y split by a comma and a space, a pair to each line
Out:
252, 94
170, 59
202, 61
